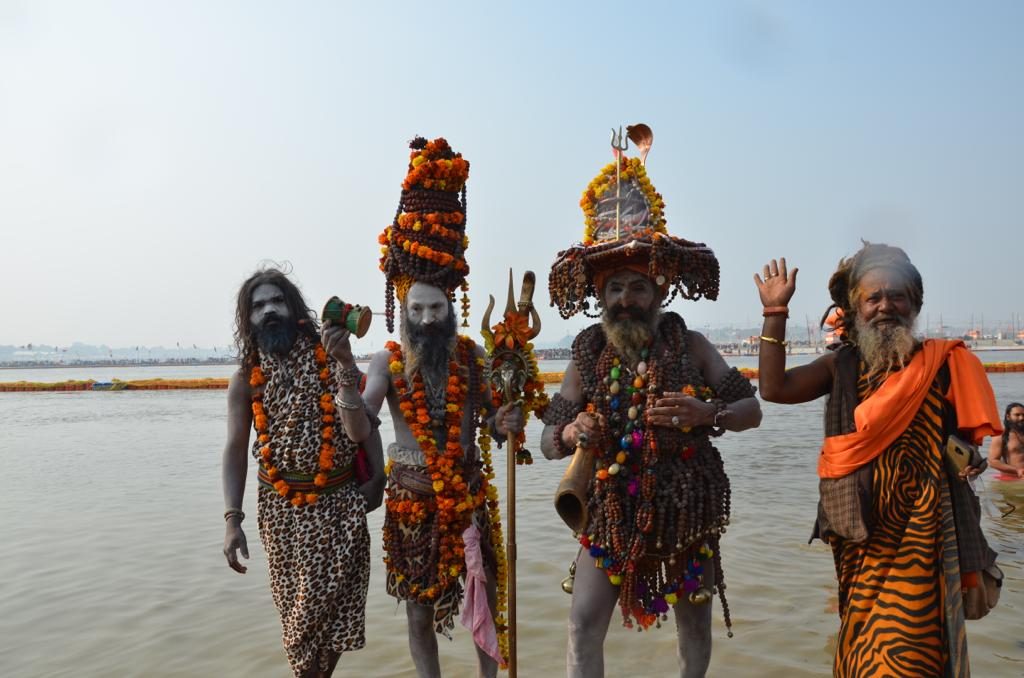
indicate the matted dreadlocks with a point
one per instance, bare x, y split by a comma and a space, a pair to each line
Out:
245, 335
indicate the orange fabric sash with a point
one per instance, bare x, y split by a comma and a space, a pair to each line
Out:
889, 411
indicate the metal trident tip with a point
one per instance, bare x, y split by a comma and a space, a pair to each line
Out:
620, 141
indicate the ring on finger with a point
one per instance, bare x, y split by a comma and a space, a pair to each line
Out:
675, 420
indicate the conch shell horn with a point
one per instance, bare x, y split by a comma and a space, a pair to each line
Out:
642, 137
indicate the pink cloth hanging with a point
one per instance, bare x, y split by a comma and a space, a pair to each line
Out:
476, 614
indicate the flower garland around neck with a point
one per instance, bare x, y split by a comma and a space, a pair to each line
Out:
453, 501
262, 425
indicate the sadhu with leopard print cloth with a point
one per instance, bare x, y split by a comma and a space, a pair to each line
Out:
293, 390
903, 525
441, 528
645, 393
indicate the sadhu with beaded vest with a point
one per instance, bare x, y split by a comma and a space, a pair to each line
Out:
291, 391
643, 395
442, 531
902, 522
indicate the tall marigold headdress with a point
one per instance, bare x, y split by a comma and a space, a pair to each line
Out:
625, 228
427, 240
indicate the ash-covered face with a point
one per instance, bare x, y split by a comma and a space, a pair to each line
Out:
629, 295
428, 329
426, 306
631, 310
272, 320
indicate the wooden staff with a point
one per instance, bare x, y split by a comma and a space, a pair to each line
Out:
509, 362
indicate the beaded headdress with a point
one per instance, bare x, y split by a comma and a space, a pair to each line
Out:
625, 228
427, 240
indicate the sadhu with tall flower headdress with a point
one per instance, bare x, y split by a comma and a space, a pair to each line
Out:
641, 398
441, 529
903, 524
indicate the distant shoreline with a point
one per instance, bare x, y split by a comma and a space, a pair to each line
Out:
116, 363
563, 354
127, 363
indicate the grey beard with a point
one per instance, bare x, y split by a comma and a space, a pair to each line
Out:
888, 348
277, 340
631, 335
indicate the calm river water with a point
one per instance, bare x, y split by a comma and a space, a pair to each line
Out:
112, 560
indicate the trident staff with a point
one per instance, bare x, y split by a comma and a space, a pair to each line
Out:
514, 379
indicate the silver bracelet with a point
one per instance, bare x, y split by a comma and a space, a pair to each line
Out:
349, 376
721, 412
345, 405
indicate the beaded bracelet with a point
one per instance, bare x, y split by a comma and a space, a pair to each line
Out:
234, 512
775, 310
560, 445
561, 411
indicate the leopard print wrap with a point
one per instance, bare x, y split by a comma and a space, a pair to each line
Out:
318, 555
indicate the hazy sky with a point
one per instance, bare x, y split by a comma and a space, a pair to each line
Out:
153, 153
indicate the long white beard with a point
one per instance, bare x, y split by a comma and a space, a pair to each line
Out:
886, 348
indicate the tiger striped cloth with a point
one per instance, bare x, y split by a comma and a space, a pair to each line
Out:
900, 601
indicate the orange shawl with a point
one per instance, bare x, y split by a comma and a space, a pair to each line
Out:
889, 411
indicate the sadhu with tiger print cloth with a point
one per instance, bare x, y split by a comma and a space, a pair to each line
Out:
903, 526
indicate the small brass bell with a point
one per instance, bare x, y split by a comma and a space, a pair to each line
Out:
568, 581
701, 596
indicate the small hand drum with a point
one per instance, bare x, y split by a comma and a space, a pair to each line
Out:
356, 319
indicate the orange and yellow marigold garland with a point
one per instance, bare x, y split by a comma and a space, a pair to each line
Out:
631, 169
433, 223
430, 169
262, 425
497, 541
453, 501
420, 250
